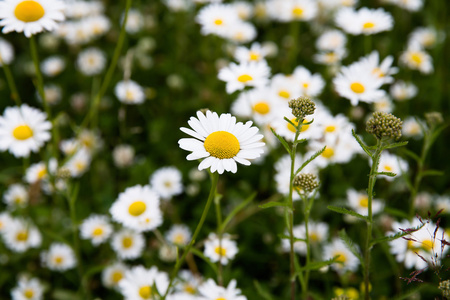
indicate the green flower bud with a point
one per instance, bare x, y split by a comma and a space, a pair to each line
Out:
302, 107
305, 183
434, 118
384, 125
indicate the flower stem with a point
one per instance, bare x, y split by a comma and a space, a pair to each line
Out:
212, 193
12, 85
219, 235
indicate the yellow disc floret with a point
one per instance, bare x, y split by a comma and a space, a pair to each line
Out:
222, 145
29, 11
245, 78
127, 242
368, 25
29, 293
357, 87
364, 201
22, 132
145, 292
221, 251
328, 152
261, 108
116, 277
137, 208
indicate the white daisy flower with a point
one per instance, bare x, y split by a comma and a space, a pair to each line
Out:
59, 257
99, 25
330, 40
137, 208
21, 235
167, 182
292, 10
415, 58
123, 155
128, 244
330, 58
286, 130
16, 196
70, 146
237, 77
339, 151
38, 172
383, 70
91, 61
256, 52
53, 66
356, 83
222, 250
317, 231
425, 37
179, 234
113, 274
411, 5
30, 16
384, 104
79, 163
129, 92
442, 203
332, 127
187, 283
364, 21
411, 128
209, 290
311, 85
284, 88
96, 228
391, 163
243, 9
402, 91
6, 52
359, 202
241, 32
139, 283
179, 5
23, 130
90, 140
53, 94
5, 221
221, 141
27, 289
346, 260
217, 19
135, 21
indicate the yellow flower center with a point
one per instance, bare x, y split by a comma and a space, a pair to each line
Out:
364, 201
28, 293
428, 245
58, 260
127, 242
284, 94
19, 200
221, 298
189, 289
22, 132
178, 239
22, 236
305, 85
97, 231
261, 108
218, 22
297, 11
330, 128
116, 277
221, 251
328, 152
341, 257
222, 145
29, 11
129, 95
80, 166
314, 237
378, 72
388, 168
293, 129
357, 87
416, 57
145, 292
41, 174
254, 55
331, 57
137, 208
245, 78
368, 25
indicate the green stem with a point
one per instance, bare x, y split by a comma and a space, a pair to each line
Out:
367, 248
212, 193
11, 83
306, 210
219, 235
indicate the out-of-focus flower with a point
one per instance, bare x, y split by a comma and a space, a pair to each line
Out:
346, 260
96, 228
139, 283
27, 289
20, 235
401, 90
237, 77
414, 57
16, 196
53, 66
222, 250
113, 274
167, 182
128, 244
210, 290
123, 155
6, 52
129, 92
91, 61
364, 21
59, 257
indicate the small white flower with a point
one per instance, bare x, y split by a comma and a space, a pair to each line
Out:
27, 289
139, 283
256, 52
5, 221
393, 164
129, 92
209, 290
128, 244
59, 257
167, 182
91, 61
402, 91
364, 21
346, 260
96, 228
237, 77
123, 155
414, 57
20, 235
220, 250
16, 196
53, 66
311, 85
217, 19
317, 231
359, 202
411, 128
179, 234
135, 21
79, 163
113, 274
331, 40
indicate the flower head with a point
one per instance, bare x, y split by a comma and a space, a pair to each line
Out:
384, 125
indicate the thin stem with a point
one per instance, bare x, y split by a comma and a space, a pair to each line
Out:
367, 248
11, 83
219, 235
212, 193
306, 210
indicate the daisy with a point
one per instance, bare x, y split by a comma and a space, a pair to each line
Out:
129, 92
113, 274
364, 21
241, 32
286, 130
53, 94
391, 163
330, 40
23, 130
90, 140
187, 283
217, 19
311, 85
59, 257
221, 141
70, 146
30, 16
339, 151
411, 5
383, 70
292, 10
401, 90
128, 244
256, 52
6, 52
330, 58
243, 9
237, 77
220, 250
284, 88
333, 127
21, 235
99, 25
167, 182
96, 228
356, 83
384, 104
27, 289
79, 163
346, 260
411, 128
179, 5
209, 290
53, 66
135, 21
16, 196
414, 57
424, 37
5, 221
442, 203
123, 155
137, 208
139, 283
359, 202
38, 172
179, 234
91, 61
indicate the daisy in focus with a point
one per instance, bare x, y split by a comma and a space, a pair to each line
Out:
30, 16
221, 141
237, 77
220, 250
23, 130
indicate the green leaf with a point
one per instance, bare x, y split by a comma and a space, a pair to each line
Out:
273, 204
204, 258
411, 154
283, 236
319, 264
345, 211
262, 292
309, 160
361, 143
396, 212
432, 173
395, 236
395, 145
235, 211
351, 246
282, 141
390, 174
65, 295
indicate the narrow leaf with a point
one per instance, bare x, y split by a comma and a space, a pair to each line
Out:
396, 236
361, 143
310, 160
282, 141
273, 204
390, 174
319, 264
396, 212
411, 154
395, 145
432, 173
200, 254
351, 246
262, 292
283, 236
236, 210
345, 211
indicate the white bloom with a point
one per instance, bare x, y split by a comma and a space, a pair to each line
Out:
241, 32
391, 163
411, 5
292, 10
188, 283
221, 141
209, 290
217, 19
383, 70
330, 58
139, 283
16, 196
135, 21
128, 244
359, 202
425, 37
79, 163
91, 61
6, 52
411, 128
38, 172
53, 66
59, 257
317, 232
287, 130
27, 289
384, 104
20, 235
113, 274
346, 260
256, 52
220, 250
52, 94
123, 155
69, 146
414, 57
284, 88
167, 182
96, 228
243, 9
401, 90
237, 77
5, 221
129, 92
364, 21
311, 85
179, 234
330, 40
23, 130
98, 24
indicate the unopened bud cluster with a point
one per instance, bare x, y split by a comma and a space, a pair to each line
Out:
302, 107
305, 182
434, 118
445, 287
384, 125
